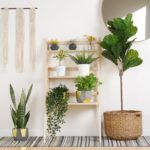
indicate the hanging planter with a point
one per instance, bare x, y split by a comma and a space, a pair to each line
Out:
123, 124
61, 69
85, 86
83, 61
19, 116
54, 44
72, 45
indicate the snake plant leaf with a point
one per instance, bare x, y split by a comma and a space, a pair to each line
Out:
14, 116
27, 116
21, 110
131, 59
12, 94
29, 93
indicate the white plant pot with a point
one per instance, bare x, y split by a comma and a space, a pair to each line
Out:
84, 69
61, 70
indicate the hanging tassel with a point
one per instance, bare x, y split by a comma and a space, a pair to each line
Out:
5, 30
32, 39
19, 40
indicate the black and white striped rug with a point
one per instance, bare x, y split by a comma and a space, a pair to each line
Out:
73, 141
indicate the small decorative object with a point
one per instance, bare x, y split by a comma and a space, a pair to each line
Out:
83, 61
85, 85
57, 106
61, 70
72, 45
123, 124
90, 39
19, 116
54, 44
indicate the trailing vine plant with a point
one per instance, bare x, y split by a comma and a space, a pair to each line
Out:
57, 105
117, 47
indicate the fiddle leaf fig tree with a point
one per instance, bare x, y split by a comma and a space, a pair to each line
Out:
117, 47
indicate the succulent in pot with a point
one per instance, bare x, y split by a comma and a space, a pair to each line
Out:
61, 69
72, 45
90, 40
83, 61
123, 124
19, 116
54, 44
85, 86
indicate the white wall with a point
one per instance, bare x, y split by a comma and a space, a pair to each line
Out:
70, 19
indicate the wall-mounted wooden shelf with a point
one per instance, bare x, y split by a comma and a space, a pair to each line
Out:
72, 73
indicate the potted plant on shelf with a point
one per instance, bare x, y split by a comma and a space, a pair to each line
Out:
61, 69
72, 45
90, 40
19, 116
123, 124
54, 44
56, 107
83, 61
85, 86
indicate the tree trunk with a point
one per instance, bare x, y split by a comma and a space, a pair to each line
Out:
121, 88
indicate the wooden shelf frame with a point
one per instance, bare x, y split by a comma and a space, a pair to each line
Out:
50, 79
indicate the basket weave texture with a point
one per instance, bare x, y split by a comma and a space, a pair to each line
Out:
123, 125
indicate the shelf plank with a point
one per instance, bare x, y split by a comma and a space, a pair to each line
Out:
62, 77
83, 104
73, 51
74, 93
70, 68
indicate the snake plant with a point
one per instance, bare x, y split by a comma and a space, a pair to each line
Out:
18, 112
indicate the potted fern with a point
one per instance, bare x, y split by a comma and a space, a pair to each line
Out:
123, 124
85, 86
61, 69
83, 61
19, 116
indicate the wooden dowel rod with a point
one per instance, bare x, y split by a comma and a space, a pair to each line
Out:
18, 8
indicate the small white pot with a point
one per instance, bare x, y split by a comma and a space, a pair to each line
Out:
84, 69
61, 70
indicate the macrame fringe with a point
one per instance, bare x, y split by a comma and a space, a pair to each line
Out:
19, 40
32, 43
5, 30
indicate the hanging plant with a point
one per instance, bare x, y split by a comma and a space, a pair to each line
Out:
57, 106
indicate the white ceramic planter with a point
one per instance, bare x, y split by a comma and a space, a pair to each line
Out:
61, 70
84, 69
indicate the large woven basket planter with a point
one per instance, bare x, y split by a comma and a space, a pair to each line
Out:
125, 125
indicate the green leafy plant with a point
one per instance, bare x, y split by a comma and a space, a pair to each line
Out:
53, 42
57, 105
90, 39
117, 47
86, 83
61, 55
83, 58
18, 113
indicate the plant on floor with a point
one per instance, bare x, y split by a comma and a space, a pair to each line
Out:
57, 106
83, 61
54, 44
84, 86
18, 113
117, 48
90, 39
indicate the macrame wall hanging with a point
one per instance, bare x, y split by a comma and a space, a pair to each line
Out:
19, 37
5, 28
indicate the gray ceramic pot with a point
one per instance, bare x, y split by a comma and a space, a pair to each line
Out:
84, 96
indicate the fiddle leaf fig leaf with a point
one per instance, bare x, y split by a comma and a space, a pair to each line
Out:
131, 59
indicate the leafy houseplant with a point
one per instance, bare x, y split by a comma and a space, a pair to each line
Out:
61, 69
18, 113
117, 48
72, 45
85, 85
57, 105
54, 44
90, 39
83, 61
